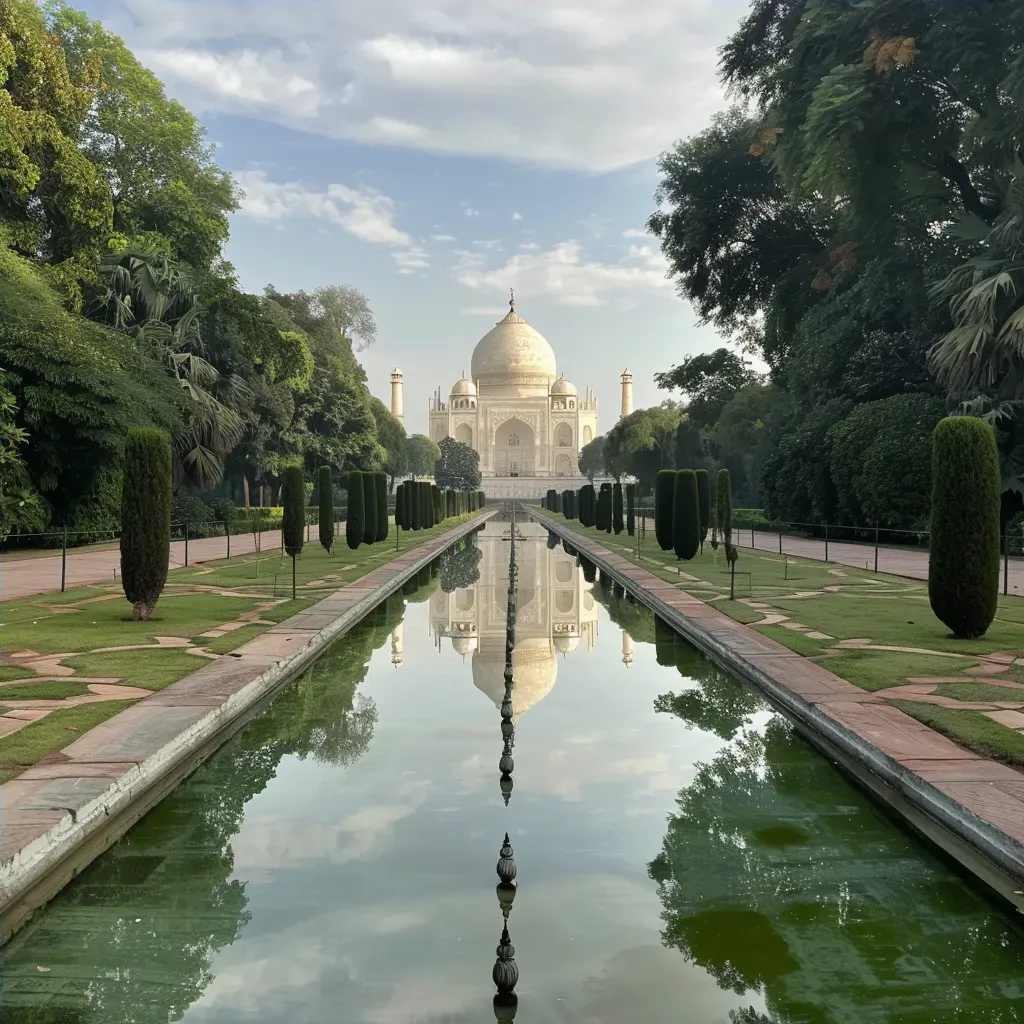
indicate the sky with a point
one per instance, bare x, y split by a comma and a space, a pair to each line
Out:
436, 153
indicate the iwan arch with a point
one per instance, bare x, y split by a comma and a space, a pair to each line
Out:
527, 423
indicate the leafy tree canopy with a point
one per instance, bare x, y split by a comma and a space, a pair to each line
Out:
458, 468
422, 455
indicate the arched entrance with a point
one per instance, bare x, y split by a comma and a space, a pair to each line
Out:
464, 433
588, 435
514, 449
563, 466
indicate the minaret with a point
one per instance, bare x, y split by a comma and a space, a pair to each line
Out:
627, 649
397, 409
627, 393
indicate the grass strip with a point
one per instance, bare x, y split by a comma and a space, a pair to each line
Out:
15, 672
151, 669
971, 729
878, 670
26, 747
972, 692
51, 690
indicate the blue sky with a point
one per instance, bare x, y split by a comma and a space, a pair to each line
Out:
435, 153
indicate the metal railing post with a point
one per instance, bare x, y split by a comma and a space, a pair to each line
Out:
64, 562
826, 540
227, 530
186, 545
1006, 563
780, 538
876, 547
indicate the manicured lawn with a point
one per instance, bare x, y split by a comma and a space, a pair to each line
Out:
878, 670
51, 690
14, 672
979, 692
970, 729
109, 623
49, 734
150, 669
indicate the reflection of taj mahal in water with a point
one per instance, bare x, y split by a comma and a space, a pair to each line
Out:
556, 614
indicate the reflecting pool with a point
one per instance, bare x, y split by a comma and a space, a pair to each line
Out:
682, 855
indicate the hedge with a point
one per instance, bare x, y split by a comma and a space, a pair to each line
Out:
355, 516
369, 508
588, 505
631, 509
963, 560
146, 495
617, 508
723, 515
664, 493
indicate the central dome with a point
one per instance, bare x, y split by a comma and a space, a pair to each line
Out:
513, 351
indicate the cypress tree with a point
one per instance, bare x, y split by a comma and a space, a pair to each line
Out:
399, 524
355, 517
599, 517
326, 508
686, 515
370, 508
146, 496
293, 498
415, 505
704, 504
588, 505
631, 509
617, 508
664, 494
381, 481
963, 560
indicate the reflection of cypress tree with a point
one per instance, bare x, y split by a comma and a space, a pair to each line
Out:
460, 565
634, 618
589, 569
420, 587
775, 875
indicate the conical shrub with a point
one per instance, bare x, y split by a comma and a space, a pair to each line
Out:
686, 515
355, 514
146, 497
963, 560
664, 494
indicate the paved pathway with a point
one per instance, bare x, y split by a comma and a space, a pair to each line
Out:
992, 791
910, 562
23, 577
57, 804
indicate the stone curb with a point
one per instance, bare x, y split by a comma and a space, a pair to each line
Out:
980, 836
30, 866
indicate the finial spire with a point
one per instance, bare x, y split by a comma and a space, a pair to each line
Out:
511, 300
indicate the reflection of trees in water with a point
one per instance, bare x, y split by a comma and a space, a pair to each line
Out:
626, 613
134, 938
420, 587
778, 878
460, 565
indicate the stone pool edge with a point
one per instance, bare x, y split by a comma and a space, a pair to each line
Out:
977, 843
70, 812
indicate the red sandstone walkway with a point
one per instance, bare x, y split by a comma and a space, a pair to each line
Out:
96, 774
992, 791
23, 577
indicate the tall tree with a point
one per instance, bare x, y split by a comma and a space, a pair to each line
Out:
391, 435
458, 468
422, 455
708, 381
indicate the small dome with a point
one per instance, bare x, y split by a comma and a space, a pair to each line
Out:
563, 387
464, 644
463, 387
565, 644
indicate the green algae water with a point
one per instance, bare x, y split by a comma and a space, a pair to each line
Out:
682, 855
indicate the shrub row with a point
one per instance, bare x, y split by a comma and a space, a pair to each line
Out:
366, 518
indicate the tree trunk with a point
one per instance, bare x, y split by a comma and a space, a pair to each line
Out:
142, 611
245, 492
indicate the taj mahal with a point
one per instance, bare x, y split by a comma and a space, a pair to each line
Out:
527, 422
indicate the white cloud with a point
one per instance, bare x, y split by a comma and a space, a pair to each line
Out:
244, 79
517, 216
563, 274
411, 260
363, 212
469, 211
444, 238
634, 233
588, 84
